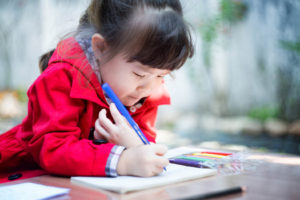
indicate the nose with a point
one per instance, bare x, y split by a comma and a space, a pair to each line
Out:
143, 91
146, 88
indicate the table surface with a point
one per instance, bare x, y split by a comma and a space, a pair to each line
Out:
276, 177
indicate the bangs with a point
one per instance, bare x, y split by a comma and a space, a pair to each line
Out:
156, 38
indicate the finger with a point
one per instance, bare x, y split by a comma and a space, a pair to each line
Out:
98, 136
158, 169
100, 113
156, 172
117, 116
101, 130
159, 149
161, 162
105, 122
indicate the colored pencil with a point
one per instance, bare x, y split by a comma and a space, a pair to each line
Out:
217, 153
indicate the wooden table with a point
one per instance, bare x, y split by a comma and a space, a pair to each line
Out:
277, 177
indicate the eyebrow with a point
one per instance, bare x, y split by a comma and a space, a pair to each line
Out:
149, 69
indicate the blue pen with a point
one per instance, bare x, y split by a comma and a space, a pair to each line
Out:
107, 89
191, 163
124, 112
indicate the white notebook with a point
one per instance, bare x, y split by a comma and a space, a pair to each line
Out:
30, 191
173, 174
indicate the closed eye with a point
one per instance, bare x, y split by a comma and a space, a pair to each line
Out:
139, 75
163, 75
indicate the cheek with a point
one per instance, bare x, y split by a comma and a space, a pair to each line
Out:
121, 90
113, 77
119, 76
122, 86
156, 84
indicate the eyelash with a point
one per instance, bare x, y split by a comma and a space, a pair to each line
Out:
138, 75
142, 76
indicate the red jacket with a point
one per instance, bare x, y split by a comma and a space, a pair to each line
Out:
63, 106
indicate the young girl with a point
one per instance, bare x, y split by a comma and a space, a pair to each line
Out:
71, 129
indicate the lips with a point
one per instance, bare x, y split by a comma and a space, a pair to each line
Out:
134, 98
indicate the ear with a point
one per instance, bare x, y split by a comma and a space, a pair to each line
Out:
98, 44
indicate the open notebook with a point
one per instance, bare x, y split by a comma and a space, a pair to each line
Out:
173, 174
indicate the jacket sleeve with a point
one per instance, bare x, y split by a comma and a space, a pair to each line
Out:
55, 143
146, 121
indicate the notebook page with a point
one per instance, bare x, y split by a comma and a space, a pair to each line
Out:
123, 184
30, 191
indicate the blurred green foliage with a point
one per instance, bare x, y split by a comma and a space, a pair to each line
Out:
231, 12
208, 34
264, 113
22, 95
209, 29
289, 82
292, 46
168, 125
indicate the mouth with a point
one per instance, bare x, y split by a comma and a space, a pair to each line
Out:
131, 100
134, 98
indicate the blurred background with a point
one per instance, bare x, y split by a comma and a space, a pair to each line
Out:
241, 90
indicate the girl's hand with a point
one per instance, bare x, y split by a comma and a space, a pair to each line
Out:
143, 160
120, 133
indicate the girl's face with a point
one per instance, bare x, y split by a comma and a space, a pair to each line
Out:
131, 81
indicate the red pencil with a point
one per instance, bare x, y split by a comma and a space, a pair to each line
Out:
217, 153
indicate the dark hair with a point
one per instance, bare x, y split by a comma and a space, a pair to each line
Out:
44, 59
152, 32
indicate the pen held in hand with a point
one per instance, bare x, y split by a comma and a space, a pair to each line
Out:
107, 89
113, 97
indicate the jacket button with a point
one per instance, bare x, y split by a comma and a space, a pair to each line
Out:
14, 176
139, 105
132, 109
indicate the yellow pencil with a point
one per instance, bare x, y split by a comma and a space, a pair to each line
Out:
209, 155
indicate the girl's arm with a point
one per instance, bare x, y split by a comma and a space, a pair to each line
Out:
54, 138
52, 133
